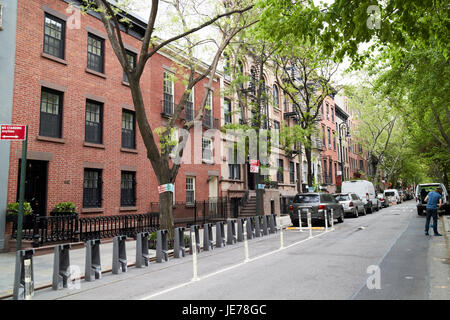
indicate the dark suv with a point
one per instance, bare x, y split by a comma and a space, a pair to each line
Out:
318, 204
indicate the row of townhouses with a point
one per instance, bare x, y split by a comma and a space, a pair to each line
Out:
67, 85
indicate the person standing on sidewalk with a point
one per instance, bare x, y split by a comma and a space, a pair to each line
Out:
432, 200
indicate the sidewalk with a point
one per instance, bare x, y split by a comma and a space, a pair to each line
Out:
43, 264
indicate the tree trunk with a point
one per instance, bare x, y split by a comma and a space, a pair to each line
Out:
166, 212
309, 162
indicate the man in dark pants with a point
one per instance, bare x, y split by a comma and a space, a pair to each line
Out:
432, 200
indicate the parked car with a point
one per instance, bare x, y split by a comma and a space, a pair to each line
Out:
402, 196
365, 190
318, 204
422, 191
383, 199
351, 203
392, 195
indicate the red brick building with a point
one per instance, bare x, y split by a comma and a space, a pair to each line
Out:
329, 155
83, 142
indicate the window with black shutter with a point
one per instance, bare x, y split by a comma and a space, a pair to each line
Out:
291, 172
128, 189
227, 111
96, 53
51, 113
54, 36
131, 57
92, 188
280, 171
94, 122
128, 129
190, 106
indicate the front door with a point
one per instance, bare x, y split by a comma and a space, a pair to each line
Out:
35, 185
251, 177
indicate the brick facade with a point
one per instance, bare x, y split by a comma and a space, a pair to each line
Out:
68, 156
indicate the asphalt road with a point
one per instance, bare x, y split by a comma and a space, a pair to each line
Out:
383, 255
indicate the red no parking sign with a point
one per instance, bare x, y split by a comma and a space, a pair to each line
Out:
12, 132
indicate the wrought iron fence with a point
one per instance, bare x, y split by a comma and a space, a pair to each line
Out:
71, 228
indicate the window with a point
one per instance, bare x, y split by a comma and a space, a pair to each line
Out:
94, 122
96, 53
334, 141
361, 165
291, 172
190, 106
328, 110
305, 171
128, 129
131, 58
234, 169
276, 127
330, 168
280, 171
286, 103
227, 111
190, 190
276, 98
207, 150
54, 36
92, 188
168, 94
332, 114
329, 138
51, 113
208, 110
128, 189
323, 136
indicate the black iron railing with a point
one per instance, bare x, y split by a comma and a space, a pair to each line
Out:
71, 228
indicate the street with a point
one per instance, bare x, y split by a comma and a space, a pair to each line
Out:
384, 255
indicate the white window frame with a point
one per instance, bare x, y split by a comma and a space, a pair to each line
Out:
211, 160
193, 188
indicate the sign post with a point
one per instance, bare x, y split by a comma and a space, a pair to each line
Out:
17, 133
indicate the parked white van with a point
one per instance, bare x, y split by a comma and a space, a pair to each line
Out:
365, 190
393, 195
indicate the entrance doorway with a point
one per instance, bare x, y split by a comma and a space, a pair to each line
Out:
35, 185
251, 178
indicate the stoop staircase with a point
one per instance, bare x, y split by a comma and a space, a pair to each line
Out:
249, 208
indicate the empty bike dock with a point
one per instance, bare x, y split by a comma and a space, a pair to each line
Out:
200, 252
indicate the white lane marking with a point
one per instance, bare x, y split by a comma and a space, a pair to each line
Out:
228, 268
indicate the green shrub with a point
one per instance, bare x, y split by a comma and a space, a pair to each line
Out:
65, 207
13, 208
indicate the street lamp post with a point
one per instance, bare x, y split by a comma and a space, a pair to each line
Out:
341, 127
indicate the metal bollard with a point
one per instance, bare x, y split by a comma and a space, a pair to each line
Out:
231, 232
194, 239
273, 223
257, 227
162, 245
240, 230
326, 219
179, 246
281, 236
308, 215
249, 229
93, 269
194, 235
119, 260
300, 220
142, 255
332, 219
24, 275
265, 230
246, 239
61, 266
208, 243
220, 235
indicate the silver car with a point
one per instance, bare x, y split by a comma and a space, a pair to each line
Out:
352, 203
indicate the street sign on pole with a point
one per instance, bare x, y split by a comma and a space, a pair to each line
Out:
23, 168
